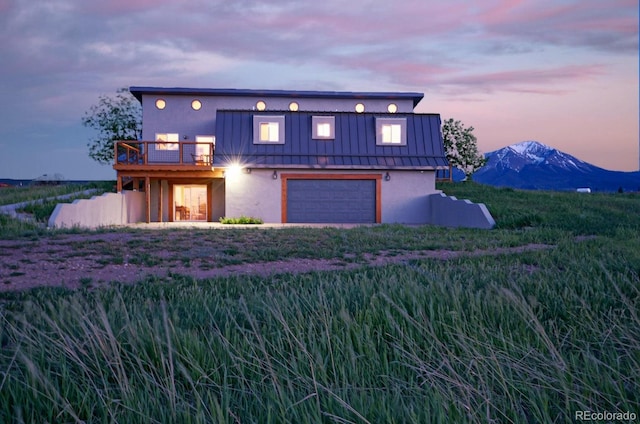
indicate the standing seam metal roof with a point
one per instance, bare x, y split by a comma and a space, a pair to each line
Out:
354, 145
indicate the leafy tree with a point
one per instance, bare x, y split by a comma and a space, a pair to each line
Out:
461, 147
115, 118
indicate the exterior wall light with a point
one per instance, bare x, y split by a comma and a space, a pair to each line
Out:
261, 105
247, 170
161, 104
360, 108
275, 175
196, 105
293, 106
387, 177
392, 108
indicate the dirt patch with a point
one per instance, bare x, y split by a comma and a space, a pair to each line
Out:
77, 260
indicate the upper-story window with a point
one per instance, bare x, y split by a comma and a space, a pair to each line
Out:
268, 129
323, 127
391, 131
167, 141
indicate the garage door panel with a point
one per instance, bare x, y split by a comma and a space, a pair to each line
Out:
331, 201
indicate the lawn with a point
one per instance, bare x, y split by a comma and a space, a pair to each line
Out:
489, 335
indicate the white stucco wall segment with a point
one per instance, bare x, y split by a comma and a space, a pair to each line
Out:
256, 194
448, 211
100, 211
405, 196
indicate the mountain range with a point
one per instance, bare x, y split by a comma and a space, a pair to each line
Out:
536, 166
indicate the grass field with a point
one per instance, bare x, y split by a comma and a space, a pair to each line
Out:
521, 337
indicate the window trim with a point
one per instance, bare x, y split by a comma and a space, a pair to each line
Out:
259, 120
382, 122
323, 120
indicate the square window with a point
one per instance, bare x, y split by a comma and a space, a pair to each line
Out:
391, 131
323, 127
268, 129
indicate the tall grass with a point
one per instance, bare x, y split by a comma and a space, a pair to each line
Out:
528, 337
10, 195
514, 338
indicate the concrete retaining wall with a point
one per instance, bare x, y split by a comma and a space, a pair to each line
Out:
448, 211
108, 209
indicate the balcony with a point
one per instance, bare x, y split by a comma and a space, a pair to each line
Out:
162, 155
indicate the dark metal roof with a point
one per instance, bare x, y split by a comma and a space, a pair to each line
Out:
354, 145
139, 91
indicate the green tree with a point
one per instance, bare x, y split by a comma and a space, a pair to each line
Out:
115, 118
461, 147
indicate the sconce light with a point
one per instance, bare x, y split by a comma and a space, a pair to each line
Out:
275, 175
247, 170
185, 137
387, 177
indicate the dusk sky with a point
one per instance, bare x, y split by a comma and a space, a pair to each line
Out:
561, 72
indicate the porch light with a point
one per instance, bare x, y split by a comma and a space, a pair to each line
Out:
387, 177
233, 171
161, 104
275, 175
196, 105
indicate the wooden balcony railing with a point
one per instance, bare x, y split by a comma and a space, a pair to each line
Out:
163, 153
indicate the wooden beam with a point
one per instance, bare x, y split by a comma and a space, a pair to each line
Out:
119, 184
167, 175
159, 200
147, 189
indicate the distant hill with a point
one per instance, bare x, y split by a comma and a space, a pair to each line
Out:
536, 166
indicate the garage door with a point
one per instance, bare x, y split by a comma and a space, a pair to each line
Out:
331, 201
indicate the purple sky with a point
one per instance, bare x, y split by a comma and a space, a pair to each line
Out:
564, 73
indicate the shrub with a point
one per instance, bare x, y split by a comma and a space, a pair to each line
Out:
241, 220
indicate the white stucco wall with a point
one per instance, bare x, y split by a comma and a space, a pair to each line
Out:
404, 196
256, 194
100, 211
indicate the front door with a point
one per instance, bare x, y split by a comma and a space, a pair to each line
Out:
190, 202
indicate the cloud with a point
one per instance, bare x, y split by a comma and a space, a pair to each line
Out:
557, 80
610, 26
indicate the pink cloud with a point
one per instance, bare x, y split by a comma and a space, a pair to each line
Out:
557, 80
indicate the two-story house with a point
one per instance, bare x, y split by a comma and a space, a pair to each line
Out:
282, 156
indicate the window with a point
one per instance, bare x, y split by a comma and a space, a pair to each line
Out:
391, 131
206, 144
268, 129
171, 139
323, 127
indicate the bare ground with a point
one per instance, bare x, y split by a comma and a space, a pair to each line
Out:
77, 260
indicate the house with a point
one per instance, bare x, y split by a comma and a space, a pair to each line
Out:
283, 156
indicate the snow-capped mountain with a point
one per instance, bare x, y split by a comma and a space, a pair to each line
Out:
533, 165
